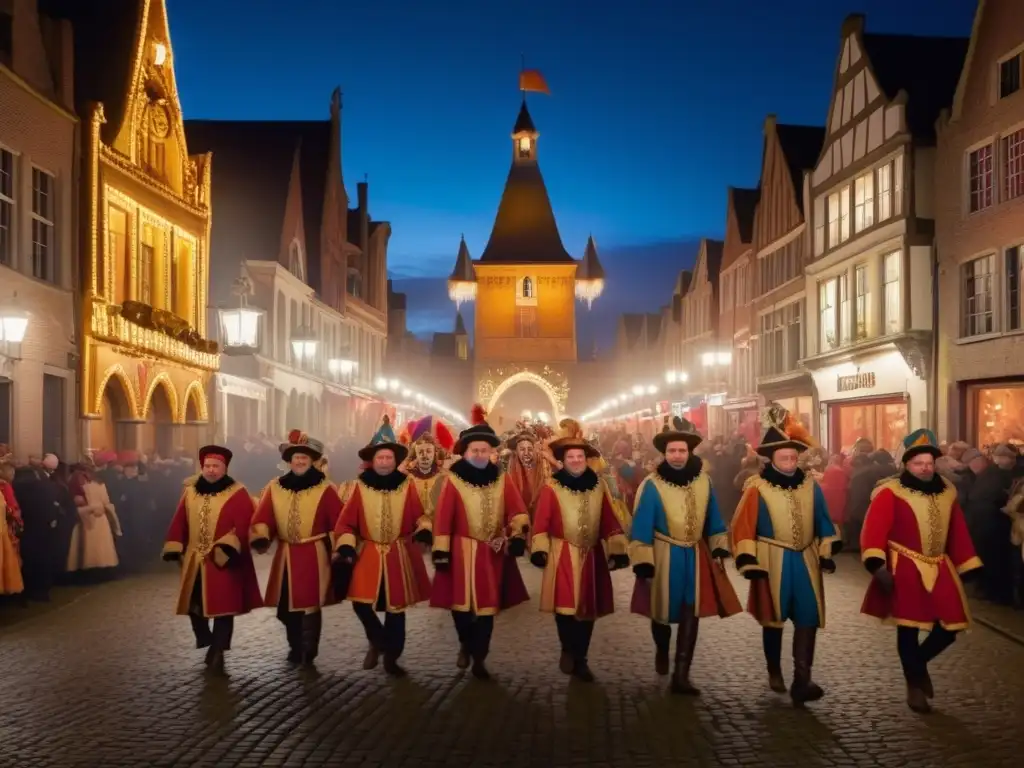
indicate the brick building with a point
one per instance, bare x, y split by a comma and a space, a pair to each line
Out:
780, 253
979, 180
741, 408
38, 246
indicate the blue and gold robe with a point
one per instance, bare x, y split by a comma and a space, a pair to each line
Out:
787, 531
675, 529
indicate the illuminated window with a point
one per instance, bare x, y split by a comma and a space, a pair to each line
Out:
525, 145
1013, 164
980, 179
864, 202
885, 192
117, 256
827, 309
891, 322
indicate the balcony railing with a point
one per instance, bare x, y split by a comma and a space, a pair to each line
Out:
109, 325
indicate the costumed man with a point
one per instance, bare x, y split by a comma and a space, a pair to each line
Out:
577, 541
11, 530
430, 441
300, 511
209, 537
677, 536
916, 545
783, 540
526, 470
374, 544
479, 528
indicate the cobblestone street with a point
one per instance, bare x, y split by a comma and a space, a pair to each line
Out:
113, 680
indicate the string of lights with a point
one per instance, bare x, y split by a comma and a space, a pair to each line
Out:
417, 400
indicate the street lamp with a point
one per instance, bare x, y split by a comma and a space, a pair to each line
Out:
13, 322
394, 384
304, 344
676, 377
240, 327
341, 366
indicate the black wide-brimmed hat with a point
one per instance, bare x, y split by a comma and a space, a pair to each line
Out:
479, 431
681, 431
300, 442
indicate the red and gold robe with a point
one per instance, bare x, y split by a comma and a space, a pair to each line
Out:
428, 488
11, 582
579, 531
528, 482
303, 524
380, 526
924, 542
473, 524
201, 525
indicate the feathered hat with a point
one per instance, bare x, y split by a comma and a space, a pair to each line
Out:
920, 441
784, 431
431, 429
570, 435
478, 431
681, 431
300, 442
384, 439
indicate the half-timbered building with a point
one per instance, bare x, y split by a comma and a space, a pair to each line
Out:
869, 284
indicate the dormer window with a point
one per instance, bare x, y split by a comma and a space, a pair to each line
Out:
527, 288
525, 145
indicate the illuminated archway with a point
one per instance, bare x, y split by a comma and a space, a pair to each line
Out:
530, 378
161, 380
117, 372
196, 396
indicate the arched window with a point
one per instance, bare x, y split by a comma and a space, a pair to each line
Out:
355, 283
527, 288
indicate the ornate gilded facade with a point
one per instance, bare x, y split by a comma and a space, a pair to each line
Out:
146, 357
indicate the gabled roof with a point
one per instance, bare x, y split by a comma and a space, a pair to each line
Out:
711, 250
252, 165
633, 327
927, 68
105, 34
744, 205
801, 146
525, 231
460, 325
590, 267
524, 122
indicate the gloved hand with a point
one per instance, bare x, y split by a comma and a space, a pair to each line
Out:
643, 571
827, 564
517, 546
539, 559
720, 554
752, 574
442, 560
424, 536
259, 545
884, 579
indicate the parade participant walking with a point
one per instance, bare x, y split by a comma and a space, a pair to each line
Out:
209, 536
783, 539
480, 526
526, 470
374, 542
677, 534
916, 545
430, 443
299, 510
576, 540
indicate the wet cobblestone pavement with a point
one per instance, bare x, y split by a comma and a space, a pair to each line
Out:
114, 680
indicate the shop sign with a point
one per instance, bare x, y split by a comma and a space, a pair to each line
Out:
854, 382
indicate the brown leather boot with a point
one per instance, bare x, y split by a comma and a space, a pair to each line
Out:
775, 679
686, 643
462, 660
917, 699
804, 689
371, 658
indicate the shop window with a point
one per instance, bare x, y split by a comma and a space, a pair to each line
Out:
883, 422
999, 413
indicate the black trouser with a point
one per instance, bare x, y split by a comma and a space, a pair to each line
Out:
474, 633
301, 628
915, 656
219, 639
575, 635
387, 637
662, 634
771, 643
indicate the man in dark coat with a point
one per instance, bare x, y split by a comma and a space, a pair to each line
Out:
40, 510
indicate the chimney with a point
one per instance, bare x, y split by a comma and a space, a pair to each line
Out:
64, 62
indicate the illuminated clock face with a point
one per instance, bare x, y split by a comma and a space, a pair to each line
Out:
159, 121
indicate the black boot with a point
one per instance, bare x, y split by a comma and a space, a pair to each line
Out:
938, 640
223, 627
771, 642
312, 625
662, 634
480, 647
804, 689
686, 643
583, 631
201, 629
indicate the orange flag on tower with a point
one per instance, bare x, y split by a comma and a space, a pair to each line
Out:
532, 80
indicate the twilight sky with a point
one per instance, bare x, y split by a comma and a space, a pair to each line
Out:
656, 107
